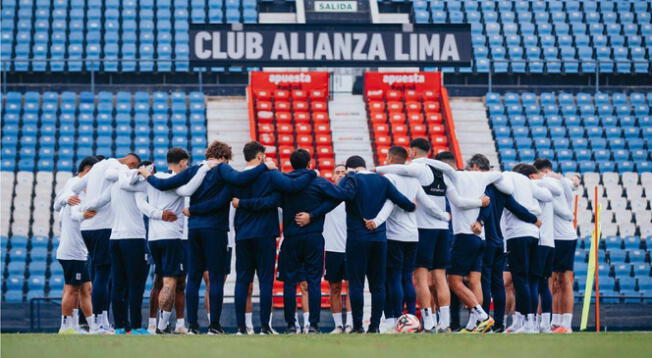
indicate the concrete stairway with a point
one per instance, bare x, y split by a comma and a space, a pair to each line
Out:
349, 127
472, 128
228, 121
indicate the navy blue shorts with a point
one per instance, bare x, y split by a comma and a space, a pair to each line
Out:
335, 266
564, 255
207, 251
302, 258
97, 243
168, 257
229, 257
401, 255
433, 249
467, 255
506, 268
520, 251
75, 272
542, 262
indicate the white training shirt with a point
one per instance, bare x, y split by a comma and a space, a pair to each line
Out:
547, 229
527, 194
402, 225
563, 208
472, 184
335, 229
71, 243
96, 184
158, 201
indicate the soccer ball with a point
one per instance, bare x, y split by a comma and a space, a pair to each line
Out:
407, 323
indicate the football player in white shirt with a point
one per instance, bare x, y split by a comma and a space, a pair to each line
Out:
522, 242
166, 222
402, 239
542, 262
72, 255
96, 230
565, 244
335, 247
433, 249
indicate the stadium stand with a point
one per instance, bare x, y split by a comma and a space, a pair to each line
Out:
550, 36
109, 36
582, 132
291, 113
45, 133
409, 108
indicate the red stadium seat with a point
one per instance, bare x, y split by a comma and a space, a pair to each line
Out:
397, 117
383, 141
265, 116
300, 106
399, 129
284, 128
431, 107
438, 140
282, 106
413, 106
286, 166
411, 95
304, 140
436, 129
265, 128
285, 151
322, 128
303, 128
378, 117
281, 95
324, 152
283, 117
320, 117
323, 139
417, 130
436, 150
317, 95
326, 163
263, 95
267, 139
264, 106
434, 118
401, 140
285, 139
376, 106
430, 95
270, 151
381, 129
307, 148
395, 106
318, 106
415, 117
375, 95
299, 94
301, 117
394, 95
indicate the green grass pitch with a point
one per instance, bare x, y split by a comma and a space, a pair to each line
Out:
609, 345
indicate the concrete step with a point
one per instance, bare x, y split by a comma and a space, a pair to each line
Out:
472, 128
228, 121
349, 127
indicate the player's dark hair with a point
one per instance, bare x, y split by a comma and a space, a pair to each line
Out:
100, 157
144, 163
219, 150
87, 162
398, 152
525, 169
355, 161
252, 149
300, 159
176, 155
542, 163
420, 143
480, 161
135, 156
445, 155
